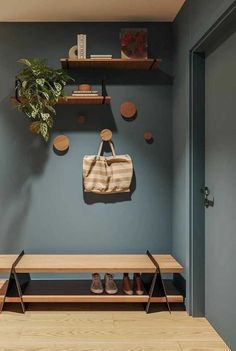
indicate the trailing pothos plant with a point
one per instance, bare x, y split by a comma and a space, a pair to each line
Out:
38, 88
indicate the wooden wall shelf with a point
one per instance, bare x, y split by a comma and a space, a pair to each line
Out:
122, 64
81, 100
20, 266
84, 100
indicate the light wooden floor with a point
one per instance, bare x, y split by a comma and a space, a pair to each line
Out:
67, 329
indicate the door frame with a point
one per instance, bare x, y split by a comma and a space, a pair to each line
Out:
217, 34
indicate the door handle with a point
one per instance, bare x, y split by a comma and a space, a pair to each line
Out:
207, 201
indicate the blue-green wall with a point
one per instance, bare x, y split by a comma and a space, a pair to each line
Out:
42, 206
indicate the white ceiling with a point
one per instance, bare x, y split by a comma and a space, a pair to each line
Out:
89, 10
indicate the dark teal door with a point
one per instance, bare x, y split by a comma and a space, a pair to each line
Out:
220, 177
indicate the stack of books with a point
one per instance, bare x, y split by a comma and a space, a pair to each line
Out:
85, 93
98, 57
81, 45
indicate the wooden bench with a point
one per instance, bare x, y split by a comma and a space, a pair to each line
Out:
24, 290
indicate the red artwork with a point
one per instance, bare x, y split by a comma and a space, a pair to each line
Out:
133, 43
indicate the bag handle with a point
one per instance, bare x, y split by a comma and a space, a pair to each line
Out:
111, 146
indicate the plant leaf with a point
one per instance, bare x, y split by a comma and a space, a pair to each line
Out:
25, 62
58, 86
34, 114
24, 84
40, 81
45, 116
34, 108
50, 108
44, 131
50, 121
46, 95
35, 127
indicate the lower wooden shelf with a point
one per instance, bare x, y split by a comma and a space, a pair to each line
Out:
79, 100
79, 291
84, 100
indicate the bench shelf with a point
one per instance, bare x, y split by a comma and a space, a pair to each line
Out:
96, 263
79, 291
21, 289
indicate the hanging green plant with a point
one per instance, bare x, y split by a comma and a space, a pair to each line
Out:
38, 90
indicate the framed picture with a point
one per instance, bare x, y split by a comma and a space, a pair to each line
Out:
133, 43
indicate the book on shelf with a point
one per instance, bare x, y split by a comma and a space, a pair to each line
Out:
84, 95
85, 91
81, 45
101, 56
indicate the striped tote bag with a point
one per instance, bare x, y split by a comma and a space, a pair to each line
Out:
107, 175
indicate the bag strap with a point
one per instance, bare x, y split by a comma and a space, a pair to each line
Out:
112, 149
111, 146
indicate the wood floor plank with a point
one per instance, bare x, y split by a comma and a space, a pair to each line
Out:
203, 345
109, 333
167, 317
109, 330
93, 346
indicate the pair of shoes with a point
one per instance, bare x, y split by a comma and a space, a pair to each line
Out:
137, 284
97, 287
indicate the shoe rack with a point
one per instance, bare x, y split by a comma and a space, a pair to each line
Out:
20, 288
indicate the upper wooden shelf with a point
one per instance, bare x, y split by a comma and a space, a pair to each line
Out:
122, 64
89, 263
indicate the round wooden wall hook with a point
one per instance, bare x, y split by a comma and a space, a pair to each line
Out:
106, 135
61, 144
148, 136
128, 110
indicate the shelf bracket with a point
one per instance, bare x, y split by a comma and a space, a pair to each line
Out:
104, 91
3, 293
152, 64
67, 64
13, 280
157, 276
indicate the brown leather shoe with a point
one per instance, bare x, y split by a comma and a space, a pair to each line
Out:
138, 284
126, 285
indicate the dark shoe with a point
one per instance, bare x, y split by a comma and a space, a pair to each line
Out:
96, 285
138, 284
127, 285
110, 285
